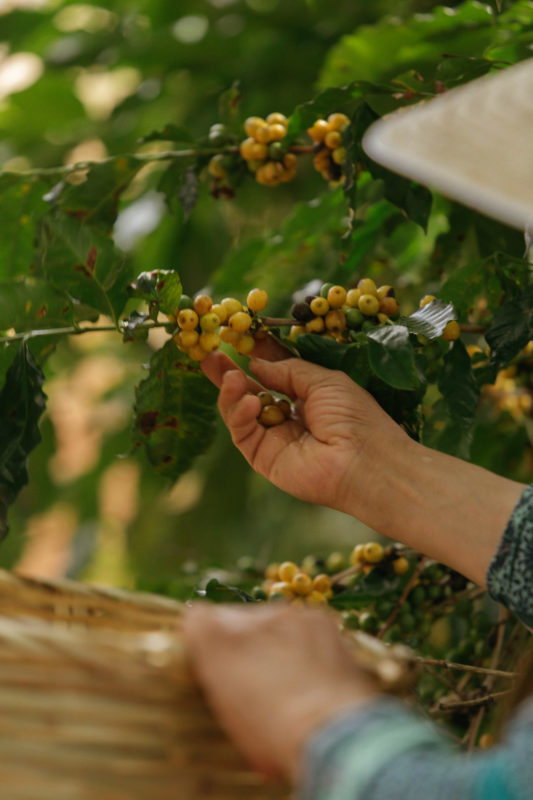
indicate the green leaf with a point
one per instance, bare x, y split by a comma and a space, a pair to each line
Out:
22, 402
160, 286
349, 358
133, 330
175, 412
344, 100
411, 197
510, 329
430, 320
33, 304
392, 358
85, 263
469, 282
21, 206
96, 199
218, 592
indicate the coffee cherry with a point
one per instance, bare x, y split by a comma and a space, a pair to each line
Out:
185, 302
272, 572
428, 298
319, 130
354, 318
188, 319
338, 121
229, 336
316, 599
287, 571
262, 133
382, 318
357, 555
451, 332
189, 338
246, 148
285, 407
373, 552
302, 312
232, 305
240, 321
335, 320
400, 565
257, 300
220, 311
385, 291
271, 416
352, 297
367, 286
197, 353
301, 583
276, 132
289, 160
209, 322
335, 562
322, 583
276, 118
486, 741
216, 167
339, 155
336, 296
295, 331
209, 341
283, 589
333, 139
316, 325
389, 306
265, 398
368, 305
319, 306
252, 124
244, 344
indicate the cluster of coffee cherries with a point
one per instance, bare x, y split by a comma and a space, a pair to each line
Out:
203, 324
264, 151
291, 582
331, 150
452, 331
365, 556
339, 313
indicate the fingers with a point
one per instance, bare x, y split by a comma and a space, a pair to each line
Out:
292, 376
215, 366
270, 349
239, 411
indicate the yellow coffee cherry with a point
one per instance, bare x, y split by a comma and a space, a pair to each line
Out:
187, 319
197, 353
257, 300
220, 311
428, 298
322, 583
295, 331
282, 588
189, 338
276, 132
209, 322
319, 306
287, 570
333, 139
367, 286
338, 121
486, 741
338, 155
229, 336
316, 599
400, 565
319, 130
246, 148
262, 133
276, 118
385, 291
473, 349
179, 342
232, 305
301, 583
373, 552
315, 325
252, 123
451, 332
335, 320
244, 344
352, 298
216, 167
240, 321
389, 306
336, 296
368, 305
357, 555
289, 160
272, 572
209, 341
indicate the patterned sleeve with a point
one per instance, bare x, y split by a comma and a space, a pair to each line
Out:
510, 575
388, 752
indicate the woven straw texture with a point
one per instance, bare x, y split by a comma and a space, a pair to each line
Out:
96, 702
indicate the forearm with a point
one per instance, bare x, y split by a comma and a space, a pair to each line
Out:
448, 509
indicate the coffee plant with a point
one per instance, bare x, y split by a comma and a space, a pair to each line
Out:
422, 302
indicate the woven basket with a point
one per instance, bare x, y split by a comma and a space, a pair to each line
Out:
96, 702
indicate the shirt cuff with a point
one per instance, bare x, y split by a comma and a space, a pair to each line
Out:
343, 757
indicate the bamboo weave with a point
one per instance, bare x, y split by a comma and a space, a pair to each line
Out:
97, 703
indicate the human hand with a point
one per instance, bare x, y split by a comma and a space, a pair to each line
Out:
273, 675
333, 452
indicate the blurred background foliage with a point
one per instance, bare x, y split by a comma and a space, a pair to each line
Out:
80, 81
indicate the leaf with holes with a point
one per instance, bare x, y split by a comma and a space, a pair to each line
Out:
160, 286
